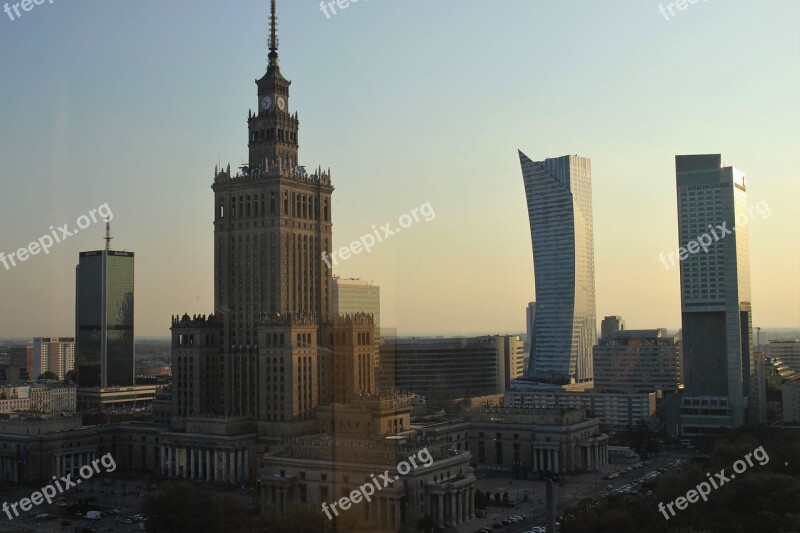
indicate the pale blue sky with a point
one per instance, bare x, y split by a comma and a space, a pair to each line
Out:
413, 101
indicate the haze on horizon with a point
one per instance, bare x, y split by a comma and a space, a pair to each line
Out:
133, 104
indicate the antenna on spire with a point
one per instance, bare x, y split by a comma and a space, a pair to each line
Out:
273, 36
108, 238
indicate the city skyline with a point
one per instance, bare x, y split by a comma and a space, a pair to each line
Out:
168, 228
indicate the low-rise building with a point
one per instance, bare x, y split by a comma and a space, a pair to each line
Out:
102, 398
786, 351
325, 468
15, 399
790, 392
520, 440
53, 398
616, 411
451, 368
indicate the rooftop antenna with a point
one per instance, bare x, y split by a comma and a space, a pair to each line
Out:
108, 238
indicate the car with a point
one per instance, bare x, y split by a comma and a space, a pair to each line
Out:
498, 525
506, 522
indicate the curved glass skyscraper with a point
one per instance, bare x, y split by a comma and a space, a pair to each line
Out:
559, 193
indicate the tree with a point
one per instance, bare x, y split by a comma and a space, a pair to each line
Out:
184, 508
48, 376
71, 376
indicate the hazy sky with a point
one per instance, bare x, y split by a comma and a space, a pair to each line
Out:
133, 103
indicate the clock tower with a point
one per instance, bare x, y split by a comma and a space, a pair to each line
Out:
273, 129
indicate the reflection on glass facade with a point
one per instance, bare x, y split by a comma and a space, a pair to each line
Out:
715, 287
104, 319
559, 193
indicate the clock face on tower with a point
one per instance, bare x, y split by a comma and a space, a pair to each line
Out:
266, 103
281, 103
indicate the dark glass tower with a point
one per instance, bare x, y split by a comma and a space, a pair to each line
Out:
104, 354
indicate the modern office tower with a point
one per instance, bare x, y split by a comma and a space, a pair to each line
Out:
636, 361
559, 193
530, 320
786, 351
20, 367
104, 350
53, 354
611, 324
352, 296
715, 293
451, 368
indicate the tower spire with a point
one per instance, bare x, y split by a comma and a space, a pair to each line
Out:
273, 36
108, 238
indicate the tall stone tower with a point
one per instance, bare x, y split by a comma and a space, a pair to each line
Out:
272, 222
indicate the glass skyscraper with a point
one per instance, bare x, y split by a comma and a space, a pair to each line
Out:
104, 319
715, 293
559, 193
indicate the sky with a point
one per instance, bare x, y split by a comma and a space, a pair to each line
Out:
132, 104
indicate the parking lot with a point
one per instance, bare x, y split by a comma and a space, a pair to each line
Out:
115, 506
615, 478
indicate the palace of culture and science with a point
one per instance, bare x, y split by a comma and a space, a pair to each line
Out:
274, 390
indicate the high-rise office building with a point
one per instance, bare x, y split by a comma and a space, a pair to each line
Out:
530, 320
611, 324
353, 296
715, 293
559, 194
53, 354
637, 361
19, 367
104, 346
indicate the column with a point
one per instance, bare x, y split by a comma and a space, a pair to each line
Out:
190, 454
246, 465
232, 466
440, 505
240, 467
555, 457
458, 508
208, 465
453, 509
378, 512
472, 503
